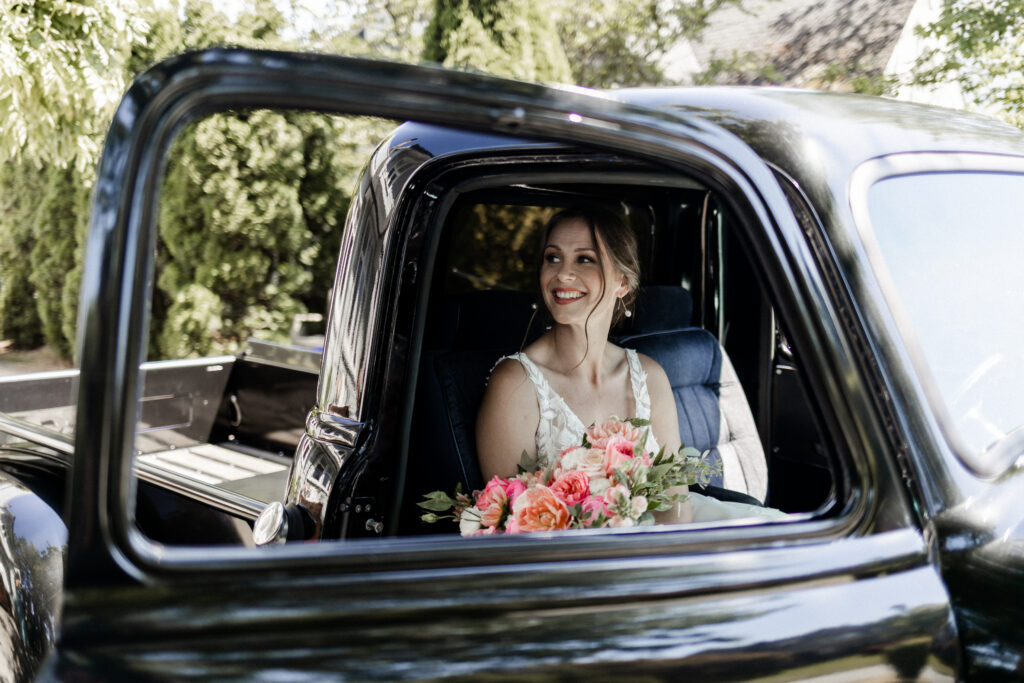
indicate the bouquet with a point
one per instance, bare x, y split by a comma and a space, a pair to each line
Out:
609, 480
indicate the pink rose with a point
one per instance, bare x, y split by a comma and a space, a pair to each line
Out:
539, 509
495, 487
617, 495
617, 452
493, 502
598, 435
572, 487
492, 515
592, 506
514, 488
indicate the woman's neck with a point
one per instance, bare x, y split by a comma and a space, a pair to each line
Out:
579, 354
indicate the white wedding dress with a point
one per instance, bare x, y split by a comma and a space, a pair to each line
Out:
560, 428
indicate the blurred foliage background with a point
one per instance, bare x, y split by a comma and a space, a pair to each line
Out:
254, 202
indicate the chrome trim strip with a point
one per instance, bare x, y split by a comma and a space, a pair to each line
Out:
70, 373
62, 443
232, 503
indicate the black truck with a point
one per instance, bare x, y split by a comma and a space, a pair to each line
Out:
830, 281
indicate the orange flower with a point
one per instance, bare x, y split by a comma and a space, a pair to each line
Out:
539, 509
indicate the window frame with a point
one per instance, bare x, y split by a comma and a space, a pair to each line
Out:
120, 264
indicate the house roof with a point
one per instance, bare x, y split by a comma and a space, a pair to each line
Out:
798, 40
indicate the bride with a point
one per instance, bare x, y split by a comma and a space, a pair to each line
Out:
541, 399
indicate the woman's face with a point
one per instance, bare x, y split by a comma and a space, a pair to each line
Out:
571, 276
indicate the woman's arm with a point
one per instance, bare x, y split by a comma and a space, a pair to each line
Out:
507, 422
664, 419
665, 425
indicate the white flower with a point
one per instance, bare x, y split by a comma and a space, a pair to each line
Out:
590, 461
621, 522
598, 485
637, 506
571, 458
617, 495
469, 521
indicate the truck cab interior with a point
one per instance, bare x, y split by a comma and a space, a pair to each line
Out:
701, 311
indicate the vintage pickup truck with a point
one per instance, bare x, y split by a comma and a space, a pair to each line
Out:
831, 282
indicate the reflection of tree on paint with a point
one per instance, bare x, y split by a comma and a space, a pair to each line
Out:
32, 545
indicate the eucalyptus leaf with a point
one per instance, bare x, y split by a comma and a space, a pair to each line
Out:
438, 501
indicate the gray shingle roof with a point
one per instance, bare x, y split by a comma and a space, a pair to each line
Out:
798, 39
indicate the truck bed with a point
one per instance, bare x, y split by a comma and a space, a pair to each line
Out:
218, 431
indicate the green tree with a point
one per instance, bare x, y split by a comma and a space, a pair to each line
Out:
19, 319
510, 38
62, 70
252, 208
381, 29
237, 246
61, 75
979, 45
616, 44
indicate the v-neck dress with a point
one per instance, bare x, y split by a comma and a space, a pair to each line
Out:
559, 427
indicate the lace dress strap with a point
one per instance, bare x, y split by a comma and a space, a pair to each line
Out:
638, 380
558, 427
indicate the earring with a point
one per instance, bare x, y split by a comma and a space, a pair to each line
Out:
534, 305
629, 313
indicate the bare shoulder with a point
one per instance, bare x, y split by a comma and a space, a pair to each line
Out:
508, 377
656, 376
507, 421
509, 392
663, 404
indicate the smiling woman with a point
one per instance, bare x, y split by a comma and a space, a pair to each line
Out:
582, 283
609, 279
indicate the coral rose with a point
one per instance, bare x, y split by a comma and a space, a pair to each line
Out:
572, 487
495, 489
539, 509
598, 435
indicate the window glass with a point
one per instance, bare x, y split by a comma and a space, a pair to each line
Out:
952, 244
251, 215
